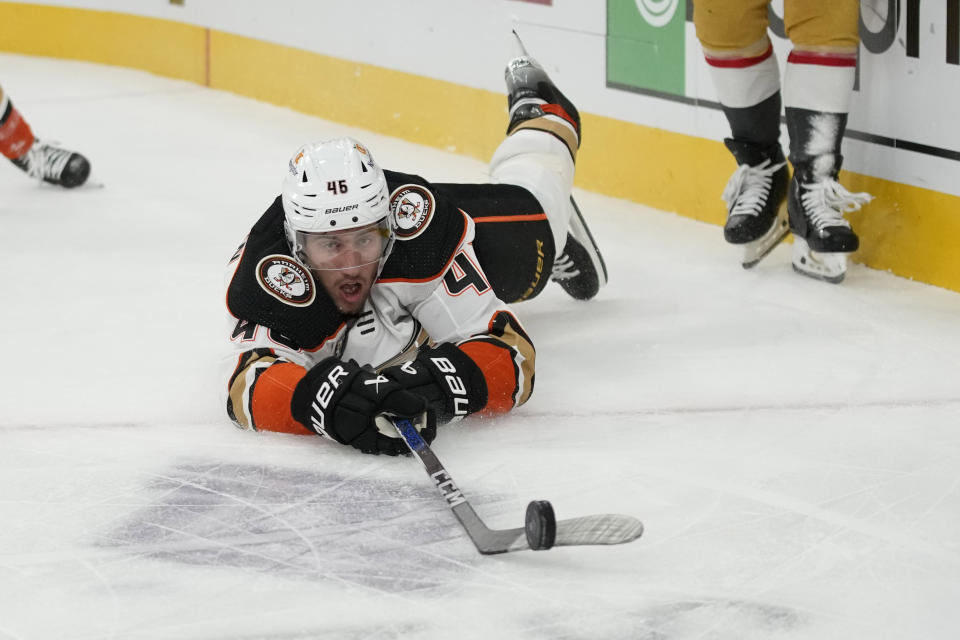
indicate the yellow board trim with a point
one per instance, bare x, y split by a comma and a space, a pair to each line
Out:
910, 231
402, 105
175, 50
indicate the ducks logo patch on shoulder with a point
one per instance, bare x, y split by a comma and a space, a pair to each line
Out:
412, 207
287, 280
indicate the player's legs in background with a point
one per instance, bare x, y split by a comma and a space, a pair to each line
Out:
746, 77
817, 87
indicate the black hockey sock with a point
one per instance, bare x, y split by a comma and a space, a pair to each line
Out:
758, 124
814, 134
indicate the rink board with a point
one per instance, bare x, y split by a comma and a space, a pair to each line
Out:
908, 230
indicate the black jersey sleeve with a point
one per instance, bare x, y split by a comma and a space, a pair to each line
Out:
429, 229
272, 289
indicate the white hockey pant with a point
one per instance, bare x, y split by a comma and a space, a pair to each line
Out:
541, 164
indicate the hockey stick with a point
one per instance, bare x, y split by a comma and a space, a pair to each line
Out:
541, 530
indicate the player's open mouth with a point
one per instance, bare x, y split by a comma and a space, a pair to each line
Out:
351, 290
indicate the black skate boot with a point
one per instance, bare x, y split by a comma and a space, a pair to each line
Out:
755, 197
536, 103
580, 268
52, 164
823, 238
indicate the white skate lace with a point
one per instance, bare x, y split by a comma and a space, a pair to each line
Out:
563, 268
749, 187
46, 161
825, 202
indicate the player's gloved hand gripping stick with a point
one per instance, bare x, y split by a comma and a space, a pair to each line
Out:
541, 530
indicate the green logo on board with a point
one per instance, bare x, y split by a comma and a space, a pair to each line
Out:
646, 45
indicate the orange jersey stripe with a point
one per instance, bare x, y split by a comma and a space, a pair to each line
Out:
272, 394
517, 218
498, 369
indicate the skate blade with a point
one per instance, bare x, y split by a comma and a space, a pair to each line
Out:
523, 70
88, 184
520, 50
579, 229
754, 252
829, 267
91, 183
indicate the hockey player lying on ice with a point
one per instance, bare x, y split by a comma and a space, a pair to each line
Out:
363, 291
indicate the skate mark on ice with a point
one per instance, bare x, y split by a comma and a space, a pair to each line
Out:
302, 523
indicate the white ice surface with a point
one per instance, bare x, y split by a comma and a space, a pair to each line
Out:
791, 446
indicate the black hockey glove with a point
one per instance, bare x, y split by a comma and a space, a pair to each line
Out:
342, 400
452, 384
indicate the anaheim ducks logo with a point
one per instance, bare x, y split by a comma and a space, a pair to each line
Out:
287, 280
412, 208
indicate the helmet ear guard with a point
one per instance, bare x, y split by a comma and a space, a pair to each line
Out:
332, 186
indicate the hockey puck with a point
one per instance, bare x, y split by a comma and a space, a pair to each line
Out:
541, 525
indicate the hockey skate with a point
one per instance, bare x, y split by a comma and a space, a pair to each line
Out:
823, 238
756, 200
580, 268
47, 162
536, 103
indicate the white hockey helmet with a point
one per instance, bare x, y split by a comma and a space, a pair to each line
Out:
336, 204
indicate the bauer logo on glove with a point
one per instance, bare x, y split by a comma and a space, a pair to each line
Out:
342, 401
447, 378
